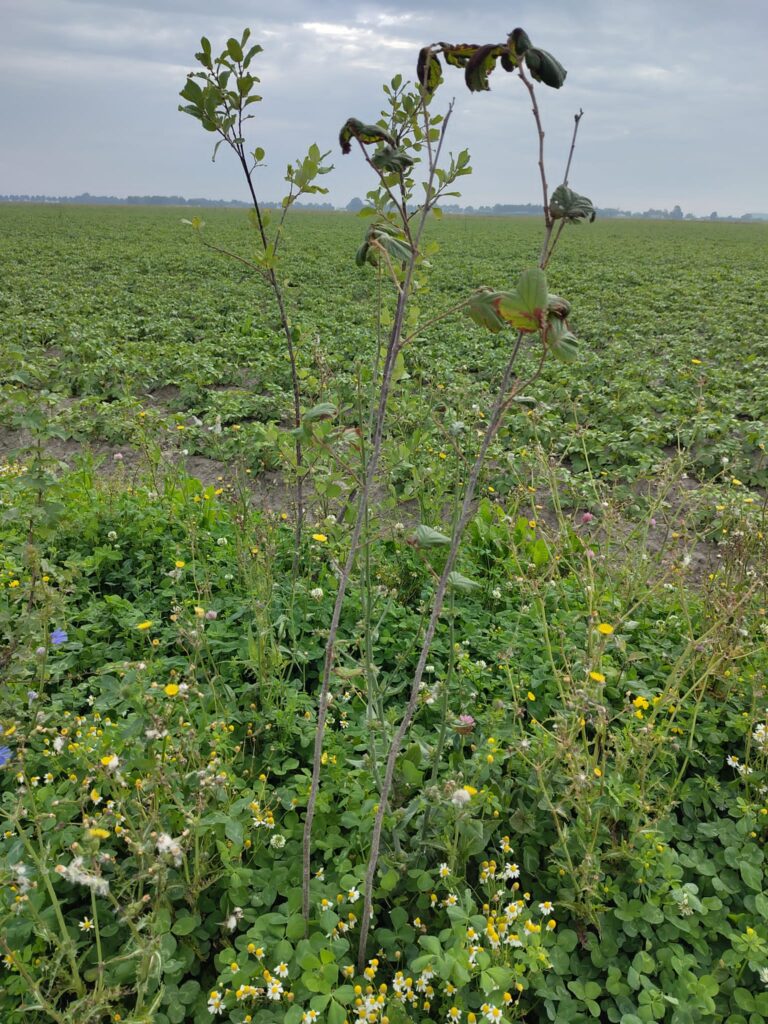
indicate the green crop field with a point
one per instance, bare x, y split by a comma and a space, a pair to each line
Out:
577, 821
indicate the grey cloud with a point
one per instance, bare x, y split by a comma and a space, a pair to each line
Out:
672, 114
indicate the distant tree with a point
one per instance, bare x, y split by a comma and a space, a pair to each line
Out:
676, 214
713, 215
354, 205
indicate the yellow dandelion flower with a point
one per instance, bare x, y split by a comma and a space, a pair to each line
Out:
598, 677
146, 624
171, 689
320, 538
605, 628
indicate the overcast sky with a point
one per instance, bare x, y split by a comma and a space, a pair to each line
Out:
674, 92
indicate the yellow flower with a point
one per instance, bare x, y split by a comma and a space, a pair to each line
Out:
171, 689
146, 624
99, 833
320, 538
531, 696
696, 362
597, 676
598, 772
179, 564
605, 628
14, 583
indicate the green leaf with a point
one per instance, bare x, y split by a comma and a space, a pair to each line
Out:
558, 307
480, 65
234, 49
519, 41
463, 583
752, 876
545, 68
483, 311
532, 289
364, 133
389, 880
458, 54
511, 308
426, 537
336, 1013
744, 999
233, 830
429, 71
186, 924
389, 159
566, 204
561, 342
323, 411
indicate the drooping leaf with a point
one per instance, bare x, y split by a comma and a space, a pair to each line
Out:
463, 583
426, 537
483, 311
365, 133
558, 307
508, 62
457, 54
524, 307
569, 205
532, 289
480, 65
519, 41
382, 235
429, 71
561, 342
544, 67
323, 411
513, 310
389, 159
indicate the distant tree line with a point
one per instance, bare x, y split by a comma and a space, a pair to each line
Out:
86, 199
534, 210
356, 204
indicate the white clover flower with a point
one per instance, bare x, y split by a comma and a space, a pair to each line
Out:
277, 842
316, 593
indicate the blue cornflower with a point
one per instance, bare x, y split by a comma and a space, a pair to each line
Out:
58, 636
5, 756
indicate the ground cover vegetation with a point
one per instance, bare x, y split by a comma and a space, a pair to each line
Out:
480, 736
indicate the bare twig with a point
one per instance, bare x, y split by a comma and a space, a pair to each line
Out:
504, 398
393, 347
576, 119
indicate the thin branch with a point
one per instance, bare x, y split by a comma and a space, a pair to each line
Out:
542, 171
576, 121
393, 347
234, 256
436, 319
503, 399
